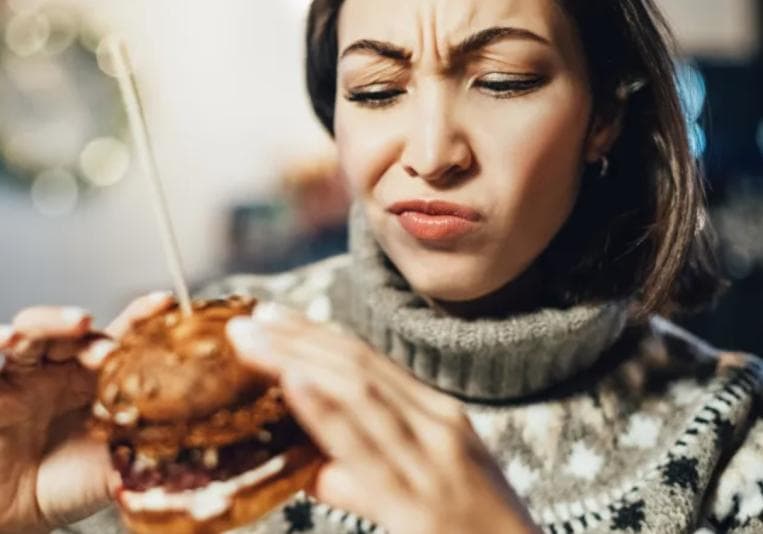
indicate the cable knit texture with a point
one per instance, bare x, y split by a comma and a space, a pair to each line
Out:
600, 425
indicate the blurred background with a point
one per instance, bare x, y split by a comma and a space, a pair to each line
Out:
246, 166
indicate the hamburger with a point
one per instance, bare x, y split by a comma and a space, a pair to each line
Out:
202, 443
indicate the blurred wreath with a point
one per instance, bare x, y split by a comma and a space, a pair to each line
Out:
61, 120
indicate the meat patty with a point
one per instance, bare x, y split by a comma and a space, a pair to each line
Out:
226, 426
193, 468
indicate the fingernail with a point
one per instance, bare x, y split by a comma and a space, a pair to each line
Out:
73, 315
297, 379
248, 336
6, 333
157, 297
94, 356
271, 312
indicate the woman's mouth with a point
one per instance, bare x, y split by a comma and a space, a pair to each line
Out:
435, 220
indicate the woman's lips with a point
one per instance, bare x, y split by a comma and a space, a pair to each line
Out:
435, 220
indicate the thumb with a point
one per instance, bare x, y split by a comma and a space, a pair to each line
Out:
251, 345
75, 478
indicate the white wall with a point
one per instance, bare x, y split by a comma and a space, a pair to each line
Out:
223, 90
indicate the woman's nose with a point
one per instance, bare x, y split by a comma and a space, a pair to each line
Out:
436, 147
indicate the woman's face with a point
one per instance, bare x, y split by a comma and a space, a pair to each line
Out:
462, 128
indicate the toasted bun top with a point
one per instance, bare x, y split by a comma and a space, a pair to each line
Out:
171, 367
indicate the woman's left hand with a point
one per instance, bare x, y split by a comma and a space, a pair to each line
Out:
400, 453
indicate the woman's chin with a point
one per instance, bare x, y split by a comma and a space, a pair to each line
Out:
452, 288
453, 277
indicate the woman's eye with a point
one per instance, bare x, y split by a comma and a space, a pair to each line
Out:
375, 96
503, 86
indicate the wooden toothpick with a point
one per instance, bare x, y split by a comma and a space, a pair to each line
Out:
122, 71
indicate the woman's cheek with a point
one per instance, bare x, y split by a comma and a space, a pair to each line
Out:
367, 147
540, 151
531, 161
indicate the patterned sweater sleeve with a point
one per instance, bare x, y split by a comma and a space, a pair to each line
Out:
735, 504
309, 288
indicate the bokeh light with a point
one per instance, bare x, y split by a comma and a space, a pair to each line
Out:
55, 192
104, 161
104, 57
697, 139
692, 90
54, 100
27, 33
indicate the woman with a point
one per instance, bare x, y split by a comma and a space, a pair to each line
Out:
525, 204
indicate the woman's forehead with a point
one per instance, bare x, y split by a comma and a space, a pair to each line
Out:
417, 24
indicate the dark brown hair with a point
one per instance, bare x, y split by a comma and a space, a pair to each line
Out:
642, 231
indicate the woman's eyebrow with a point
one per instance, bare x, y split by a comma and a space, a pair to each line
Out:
468, 46
486, 37
380, 48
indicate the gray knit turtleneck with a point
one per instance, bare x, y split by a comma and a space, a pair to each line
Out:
485, 358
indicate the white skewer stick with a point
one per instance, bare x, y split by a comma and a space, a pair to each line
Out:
122, 71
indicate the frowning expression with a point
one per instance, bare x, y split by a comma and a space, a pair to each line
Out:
463, 127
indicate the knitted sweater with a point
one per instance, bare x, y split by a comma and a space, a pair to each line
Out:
599, 423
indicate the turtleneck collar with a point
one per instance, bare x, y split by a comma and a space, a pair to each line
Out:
489, 359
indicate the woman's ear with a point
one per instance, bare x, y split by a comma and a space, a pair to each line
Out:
603, 135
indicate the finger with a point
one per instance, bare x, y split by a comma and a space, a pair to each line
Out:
279, 351
28, 352
347, 355
76, 387
334, 484
390, 431
340, 434
139, 309
273, 312
52, 322
270, 345
251, 345
7, 336
65, 349
345, 350
31, 352
337, 436
385, 412
96, 353
337, 486
74, 452
43, 393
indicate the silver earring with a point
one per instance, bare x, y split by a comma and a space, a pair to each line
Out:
604, 169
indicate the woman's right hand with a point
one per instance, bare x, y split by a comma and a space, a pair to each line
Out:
51, 472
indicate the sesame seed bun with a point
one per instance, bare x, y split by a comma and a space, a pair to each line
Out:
171, 367
203, 444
